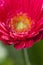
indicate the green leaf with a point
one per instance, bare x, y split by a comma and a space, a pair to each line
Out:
36, 54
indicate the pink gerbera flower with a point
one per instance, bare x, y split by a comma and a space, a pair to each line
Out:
21, 22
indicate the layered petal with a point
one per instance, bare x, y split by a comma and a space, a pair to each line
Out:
21, 22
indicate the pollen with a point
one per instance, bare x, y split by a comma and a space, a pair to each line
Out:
20, 23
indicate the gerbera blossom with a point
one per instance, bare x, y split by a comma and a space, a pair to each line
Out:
21, 22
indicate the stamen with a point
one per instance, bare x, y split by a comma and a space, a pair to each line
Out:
20, 24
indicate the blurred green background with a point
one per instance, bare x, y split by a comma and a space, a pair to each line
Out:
31, 56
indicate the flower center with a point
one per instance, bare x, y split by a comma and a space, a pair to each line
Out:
20, 23
21, 26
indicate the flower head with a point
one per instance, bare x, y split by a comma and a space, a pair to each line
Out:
21, 22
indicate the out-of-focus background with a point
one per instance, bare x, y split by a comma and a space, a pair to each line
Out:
31, 56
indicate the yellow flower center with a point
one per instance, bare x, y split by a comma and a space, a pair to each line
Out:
20, 23
21, 26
